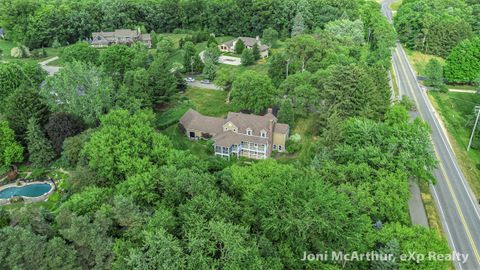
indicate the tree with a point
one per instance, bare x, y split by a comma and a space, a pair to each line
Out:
252, 91
212, 41
300, 49
159, 250
256, 52
137, 86
14, 74
80, 51
434, 75
225, 78
80, 89
270, 36
166, 46
346, 31
298, 25
10, 150
125, 145
39, 148
285, 114
278, 65
61, 126
239, 46
20, 106
191, 60
247, 57
210, 69
303, 97
212, 53
463, 63
161, 80
116, 60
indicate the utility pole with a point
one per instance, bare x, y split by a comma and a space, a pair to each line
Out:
477, 111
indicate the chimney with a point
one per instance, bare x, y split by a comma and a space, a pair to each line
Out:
270, 111
270, 135
257, 38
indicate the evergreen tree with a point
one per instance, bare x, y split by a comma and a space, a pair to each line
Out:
191, 61
298, 25
160, 78
434, 75
285, 114
239, 46
270, 36
39, 148
211, 41
256, 52
210, 69
10, 150
247, 57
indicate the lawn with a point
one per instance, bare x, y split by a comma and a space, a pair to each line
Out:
209, 102
455, 110
396, 5
6, 46
419, 60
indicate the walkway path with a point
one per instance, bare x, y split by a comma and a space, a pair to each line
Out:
462, 91
416, 208
50, 69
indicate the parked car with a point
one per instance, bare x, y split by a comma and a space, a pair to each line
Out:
205, 81
189, 79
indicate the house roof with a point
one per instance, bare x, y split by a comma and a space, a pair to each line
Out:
281, 128
256, 123
196, 121
248, 41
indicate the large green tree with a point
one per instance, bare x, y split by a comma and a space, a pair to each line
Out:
80, 89
463, 63
10, 150
40, 150
125, 144
252, 91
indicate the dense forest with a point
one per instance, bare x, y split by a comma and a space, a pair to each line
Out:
135, 201
449, 29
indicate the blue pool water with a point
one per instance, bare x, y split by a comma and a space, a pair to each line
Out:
33, 190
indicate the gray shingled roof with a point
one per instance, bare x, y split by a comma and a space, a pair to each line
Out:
281, 128
248, 41
256, 123
196, 121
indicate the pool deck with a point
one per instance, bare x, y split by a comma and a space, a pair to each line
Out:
28, 199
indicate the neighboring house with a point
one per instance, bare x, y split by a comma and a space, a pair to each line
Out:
2, 33
229, 46
120, 36
239, 134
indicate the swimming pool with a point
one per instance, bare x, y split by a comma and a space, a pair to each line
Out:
32, 190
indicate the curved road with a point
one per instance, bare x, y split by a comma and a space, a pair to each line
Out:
455, 201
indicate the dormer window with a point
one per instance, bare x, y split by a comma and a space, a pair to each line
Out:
263, 134
249, 132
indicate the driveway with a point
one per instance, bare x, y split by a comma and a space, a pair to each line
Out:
50, 69
223, 59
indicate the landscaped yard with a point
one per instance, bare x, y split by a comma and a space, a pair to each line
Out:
455, 110
209, 102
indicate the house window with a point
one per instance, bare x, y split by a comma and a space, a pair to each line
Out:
279, 148
256, 145
264, 134
234, 130
249, 132
274, 147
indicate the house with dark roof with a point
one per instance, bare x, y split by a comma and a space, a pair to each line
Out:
239, 134
120, 36
229, 46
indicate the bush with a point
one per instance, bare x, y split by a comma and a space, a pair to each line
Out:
20, 52
293, 143
72, 149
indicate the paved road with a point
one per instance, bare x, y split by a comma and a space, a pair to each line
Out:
456, 204
50, 69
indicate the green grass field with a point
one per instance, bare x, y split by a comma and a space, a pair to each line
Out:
455, 110
209, 102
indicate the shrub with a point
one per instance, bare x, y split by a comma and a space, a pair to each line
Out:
20, 52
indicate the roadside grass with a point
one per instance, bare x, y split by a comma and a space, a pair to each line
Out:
209, 102
455, 110
396, 5
394, 83
433, 217
462, 87
419, 60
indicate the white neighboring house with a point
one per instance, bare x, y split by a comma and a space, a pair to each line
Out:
229, 46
